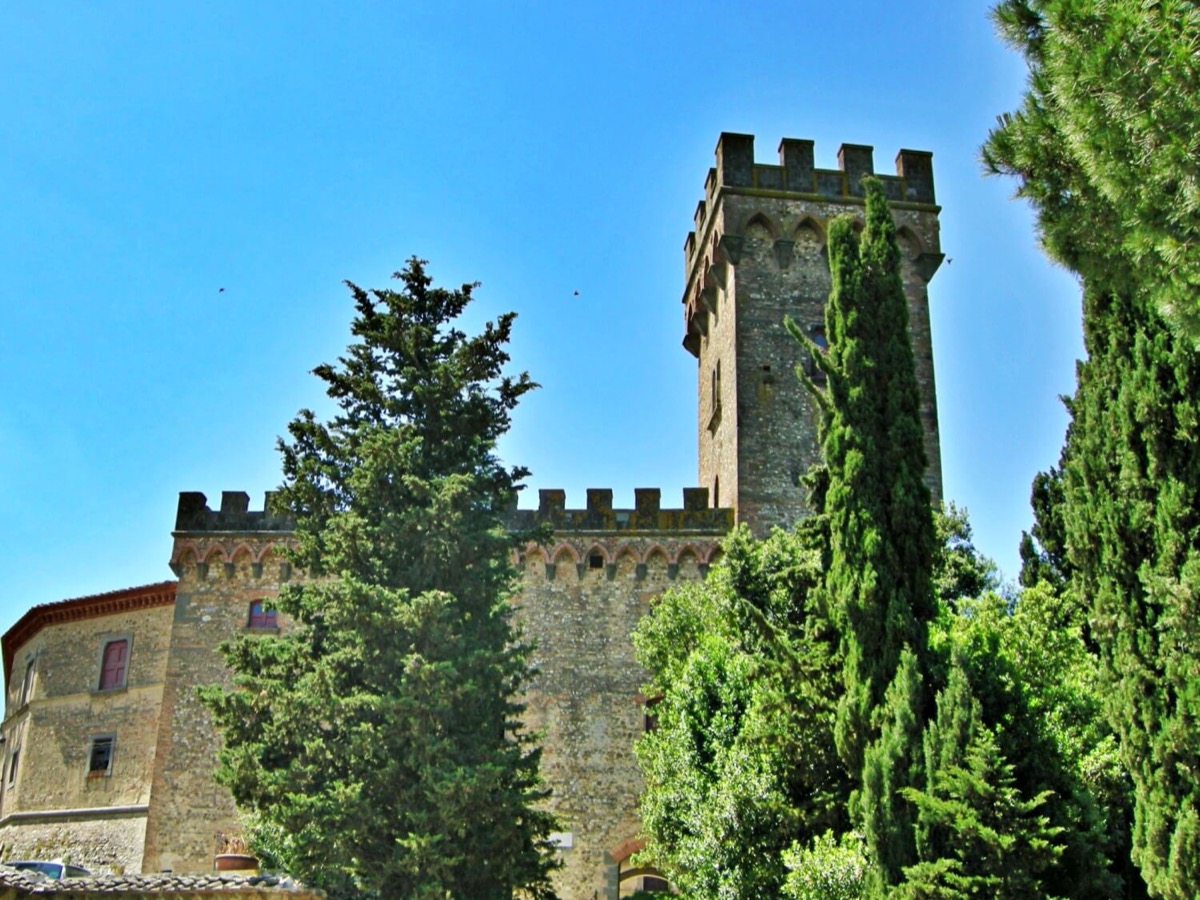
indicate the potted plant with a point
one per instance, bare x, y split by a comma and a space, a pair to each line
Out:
233, 855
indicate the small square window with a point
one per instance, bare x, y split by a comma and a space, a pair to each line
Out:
100, 756
114, 664
261, 616
595, 561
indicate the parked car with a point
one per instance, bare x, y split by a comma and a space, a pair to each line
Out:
51, 869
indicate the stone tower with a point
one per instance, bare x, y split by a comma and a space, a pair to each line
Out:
758, 254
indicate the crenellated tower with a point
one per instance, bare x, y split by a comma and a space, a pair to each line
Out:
757, 255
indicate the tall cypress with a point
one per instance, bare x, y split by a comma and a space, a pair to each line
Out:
1122, 216
880, 521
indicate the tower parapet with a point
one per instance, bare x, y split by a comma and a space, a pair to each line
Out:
757, 255
234, 515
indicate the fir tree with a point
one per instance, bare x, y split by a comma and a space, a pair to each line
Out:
880, 523
376, 745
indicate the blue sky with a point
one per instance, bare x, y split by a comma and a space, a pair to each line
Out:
152, 154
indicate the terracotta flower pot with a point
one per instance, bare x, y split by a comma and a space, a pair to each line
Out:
235, 862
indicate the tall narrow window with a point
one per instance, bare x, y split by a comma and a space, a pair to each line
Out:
12, 766
261, 616
114, 664
27, 682
100, 756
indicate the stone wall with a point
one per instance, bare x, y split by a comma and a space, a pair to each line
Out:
221, 572
757, 255
581, 598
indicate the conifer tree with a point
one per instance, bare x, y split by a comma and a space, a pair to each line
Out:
1104, 147
880, 524
376, 744
978, 836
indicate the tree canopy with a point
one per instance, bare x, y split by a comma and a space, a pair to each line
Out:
1111, 121
375, 744
1105, 147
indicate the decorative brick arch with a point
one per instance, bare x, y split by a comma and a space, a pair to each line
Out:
216, 553
598, 549
626, 849
809, 223
654, 550
568, 550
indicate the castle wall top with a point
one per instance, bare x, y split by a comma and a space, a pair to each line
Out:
796, 174
235, 515
647, 515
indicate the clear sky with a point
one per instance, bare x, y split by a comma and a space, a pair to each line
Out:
153, 154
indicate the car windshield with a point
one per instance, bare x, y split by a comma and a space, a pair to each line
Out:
50, 869
54, 870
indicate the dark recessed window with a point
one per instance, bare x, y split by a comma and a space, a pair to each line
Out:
650, 723
114, 664
12, 765
261, 615
595, 561
100, 757
655, 884
26, 683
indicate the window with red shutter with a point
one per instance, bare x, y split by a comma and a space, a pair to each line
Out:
115, 662
261, 616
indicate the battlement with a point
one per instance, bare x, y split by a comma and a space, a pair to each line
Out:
647, 515
796, 176
235, 515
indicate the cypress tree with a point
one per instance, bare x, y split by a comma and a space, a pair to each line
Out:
376, 745
1118, 208
880, 523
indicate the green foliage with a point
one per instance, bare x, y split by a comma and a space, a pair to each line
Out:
1104, 146
1132, 516
891, 767
827, 869
1038, 687
977, 835
741, 762
376, 744
1110, 123
880, 523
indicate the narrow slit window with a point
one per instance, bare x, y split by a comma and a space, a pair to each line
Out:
27, 683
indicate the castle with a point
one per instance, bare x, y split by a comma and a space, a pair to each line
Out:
109, 755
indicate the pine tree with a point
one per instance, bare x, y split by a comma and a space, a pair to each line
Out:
1121, 81
376, 745
880, 522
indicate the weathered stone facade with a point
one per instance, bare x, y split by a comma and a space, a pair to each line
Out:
52, 802
757, 254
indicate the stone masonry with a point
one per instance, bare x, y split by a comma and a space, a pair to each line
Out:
757, 254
